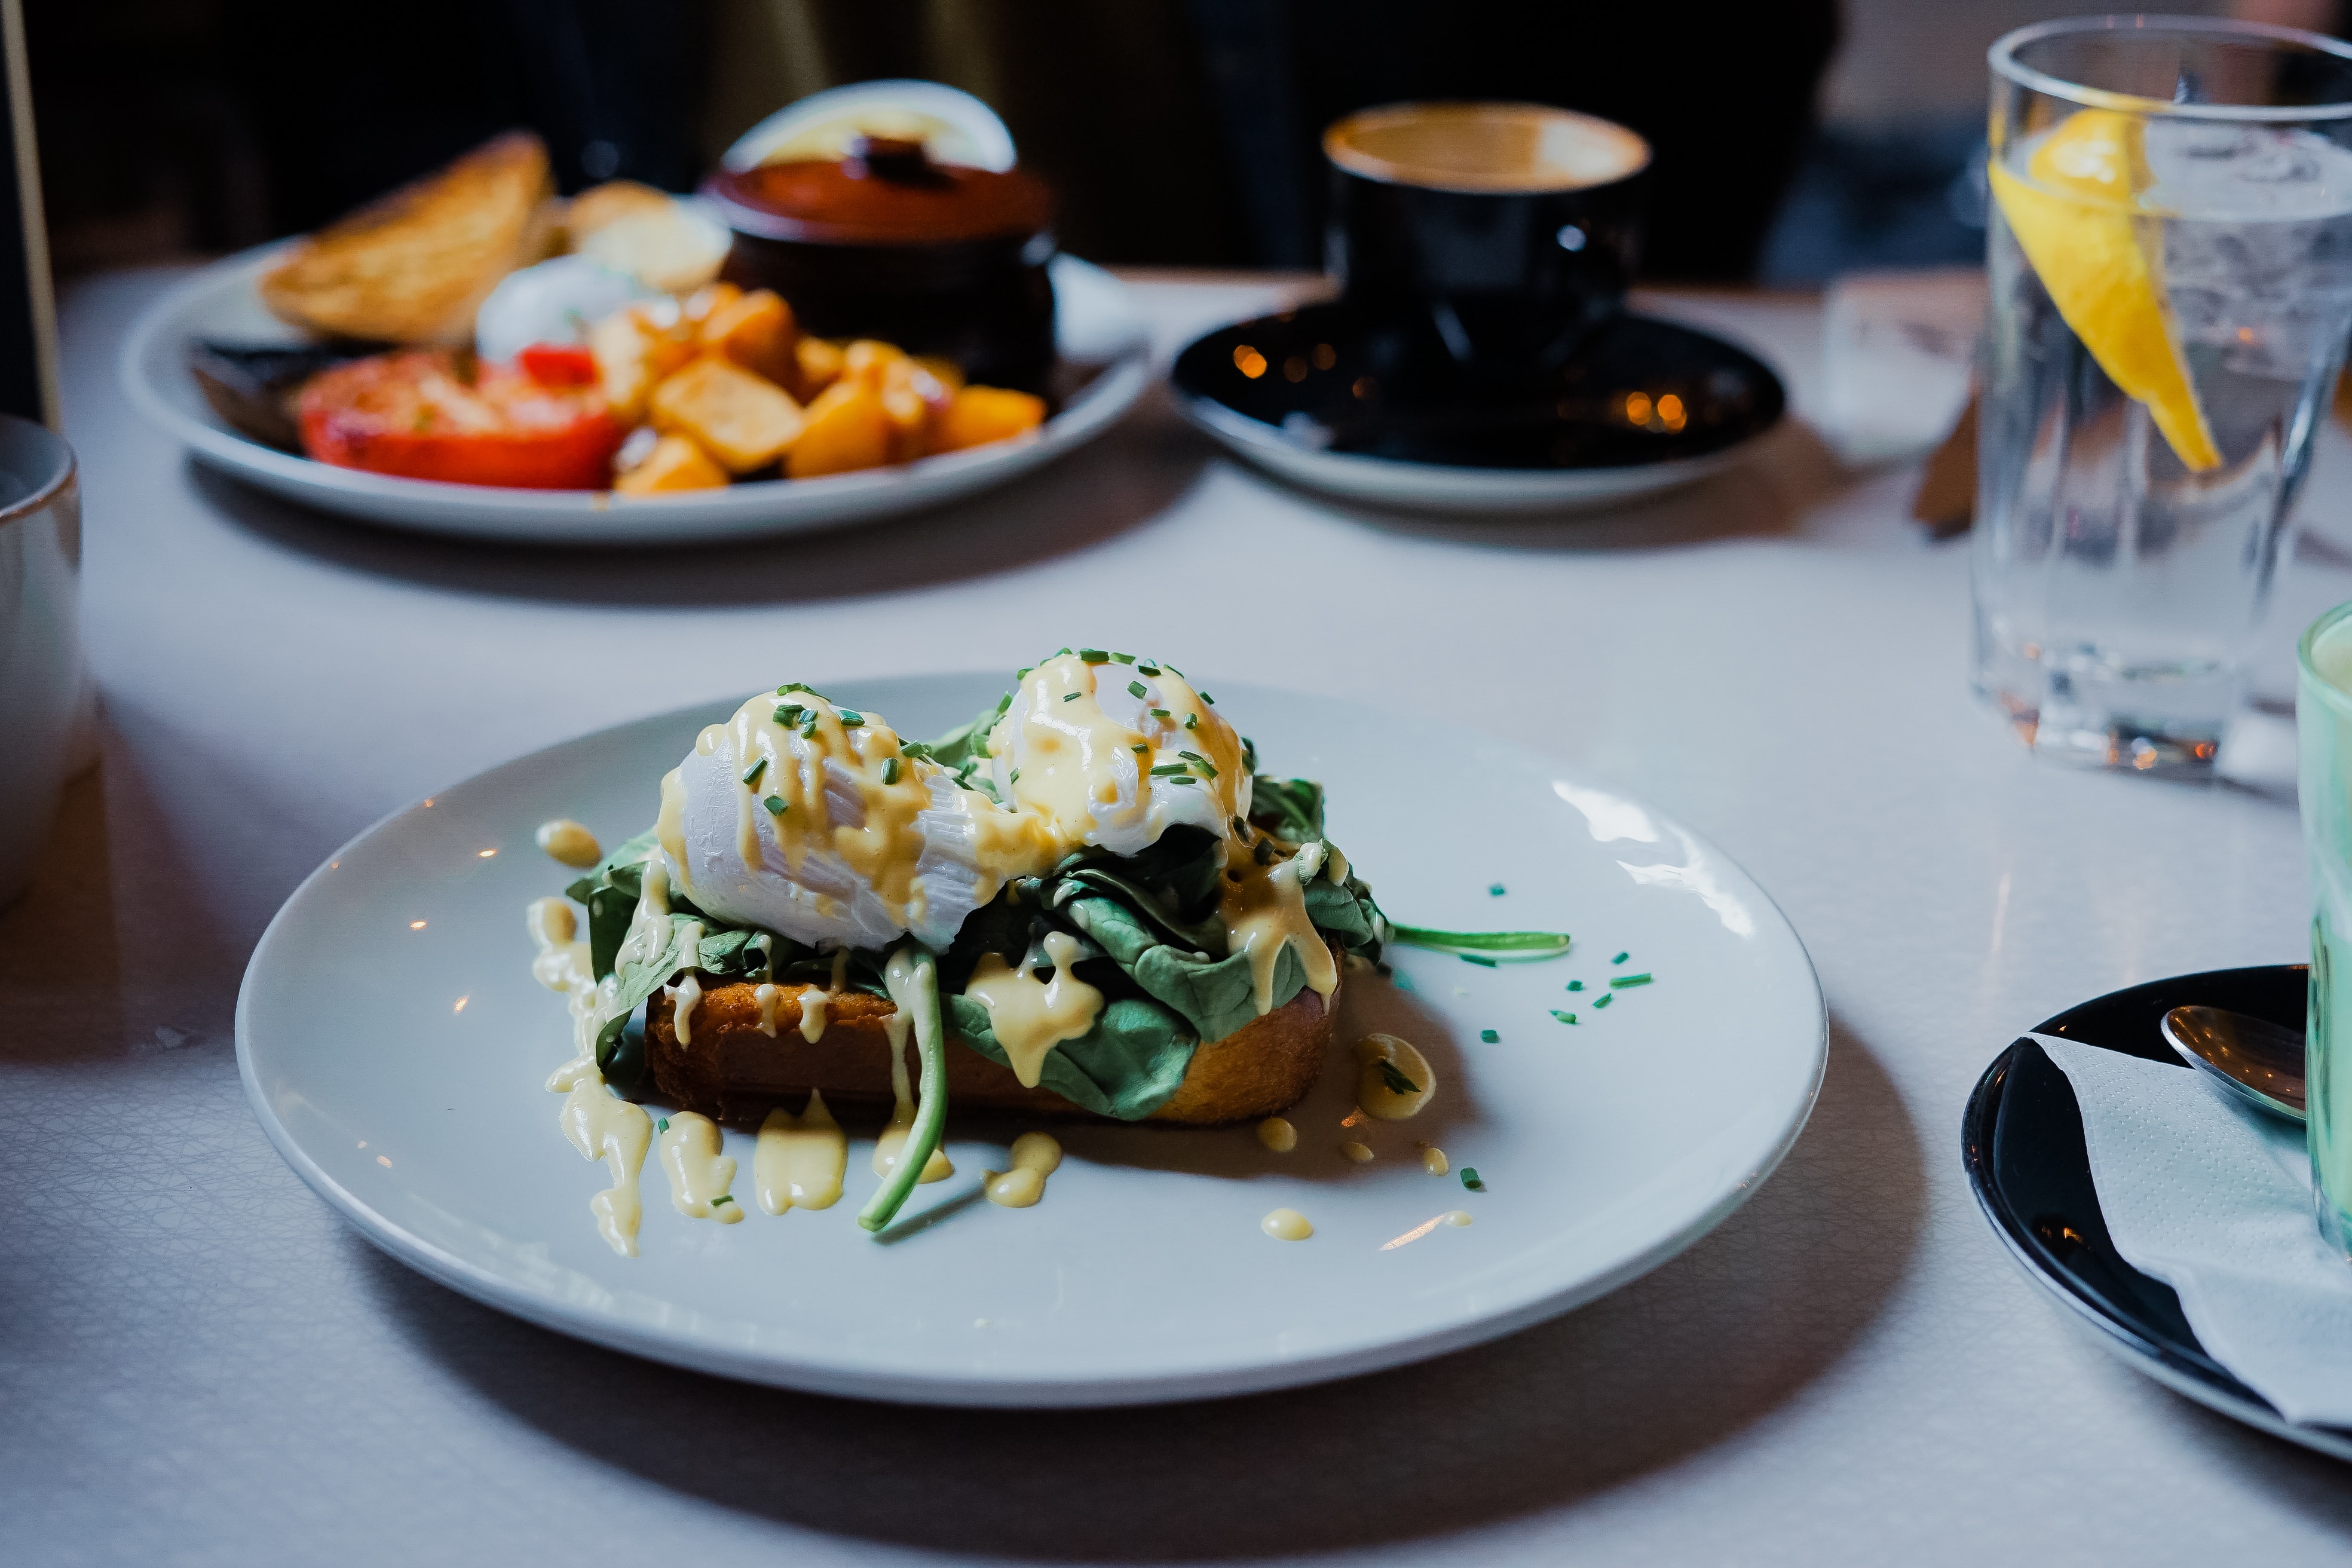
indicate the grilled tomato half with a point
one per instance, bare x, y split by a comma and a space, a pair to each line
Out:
428, 414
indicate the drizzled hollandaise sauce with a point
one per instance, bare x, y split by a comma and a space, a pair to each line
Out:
1030, 1016
799, 1160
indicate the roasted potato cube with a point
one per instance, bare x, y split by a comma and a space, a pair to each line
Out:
846, 429
708, 300
876, 363
980, 414
676, 463
946, 372
910, 422
634, 349
757, 333
743, 420
816, 364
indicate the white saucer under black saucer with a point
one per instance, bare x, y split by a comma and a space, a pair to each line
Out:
2022, 1140
1330, 400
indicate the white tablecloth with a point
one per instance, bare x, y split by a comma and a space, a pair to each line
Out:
199, 1363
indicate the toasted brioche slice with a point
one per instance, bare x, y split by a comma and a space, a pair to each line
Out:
413, 267
732, 1072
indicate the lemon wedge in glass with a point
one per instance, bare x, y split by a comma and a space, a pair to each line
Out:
2082, 227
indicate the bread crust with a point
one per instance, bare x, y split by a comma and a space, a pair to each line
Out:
413, 267
732, 1072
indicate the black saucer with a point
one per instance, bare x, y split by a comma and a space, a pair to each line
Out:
2022, 1140
1634, 392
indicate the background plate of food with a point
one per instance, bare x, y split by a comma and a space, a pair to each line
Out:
472, 356
1476, 1137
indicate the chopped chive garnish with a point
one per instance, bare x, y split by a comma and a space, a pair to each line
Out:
1479, 959
1519, 944
1604, 999
1122, 658
1185, 779
889, 770
850, 718
1209, 699
1489, 1036
1631, 980
1173, 670
1159, 712
1072, 696
1496, 891
808, 725
664, 1126
1169, 770
1621, 958
1576, 986
1015, 777
721, 1198
750, 775
789, 713
1094, 656
775, 805
1563, 1017
1063, 654
1395, 1082
1024, 672
789, 687
1470, 1179
1145, 666
1139, 746
1192, 721
1193, 756
1402, 981
1135, 689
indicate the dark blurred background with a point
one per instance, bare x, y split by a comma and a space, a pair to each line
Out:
1795, 140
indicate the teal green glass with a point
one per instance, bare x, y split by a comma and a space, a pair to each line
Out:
2323, 711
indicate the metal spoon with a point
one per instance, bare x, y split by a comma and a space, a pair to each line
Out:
2257, 1058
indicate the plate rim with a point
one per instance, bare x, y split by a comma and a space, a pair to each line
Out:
936, 1389
2110, 1330
527, 516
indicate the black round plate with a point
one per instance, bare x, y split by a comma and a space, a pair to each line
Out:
1634, 392
2022, 1140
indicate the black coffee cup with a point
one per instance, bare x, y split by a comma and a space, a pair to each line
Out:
1507, 231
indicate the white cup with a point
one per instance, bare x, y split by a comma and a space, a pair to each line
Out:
43, 684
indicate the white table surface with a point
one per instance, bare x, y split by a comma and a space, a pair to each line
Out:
199, 1363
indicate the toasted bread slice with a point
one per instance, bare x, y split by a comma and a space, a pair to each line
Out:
732, 1072
413, 267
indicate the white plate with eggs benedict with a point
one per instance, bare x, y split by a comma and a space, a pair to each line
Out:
1067, 1058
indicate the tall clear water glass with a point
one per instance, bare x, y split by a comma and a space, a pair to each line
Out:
2170, 259
2323, 707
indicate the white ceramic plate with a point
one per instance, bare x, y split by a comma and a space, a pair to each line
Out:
1097, 325
395, 1047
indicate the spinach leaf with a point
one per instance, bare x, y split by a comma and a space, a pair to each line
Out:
965, 743
1287, 808
1125, 1067
638, 982
1216, 995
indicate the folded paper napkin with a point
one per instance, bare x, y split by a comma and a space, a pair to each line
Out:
2215, 1201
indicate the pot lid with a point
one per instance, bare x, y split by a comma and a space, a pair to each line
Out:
887, 191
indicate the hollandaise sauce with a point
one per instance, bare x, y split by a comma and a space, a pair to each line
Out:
1030, 1016
799, 1161
1035, 1156
698, 1173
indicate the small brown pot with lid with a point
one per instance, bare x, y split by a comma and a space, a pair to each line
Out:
935, 257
